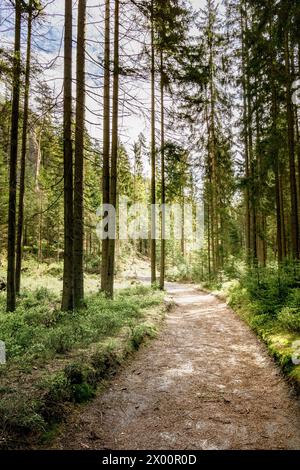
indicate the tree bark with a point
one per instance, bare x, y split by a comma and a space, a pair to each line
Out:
11, 279
291, 150
208, 240
163, 183
274, 114
114, 151
23, 155
210, 248
251, 172
153, 154
106, 143
212, 147
68, 278
259, 191
79, 158
245, 131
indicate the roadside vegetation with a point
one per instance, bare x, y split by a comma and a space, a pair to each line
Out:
56, 359
269, 301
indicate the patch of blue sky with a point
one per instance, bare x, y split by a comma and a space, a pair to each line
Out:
52, 39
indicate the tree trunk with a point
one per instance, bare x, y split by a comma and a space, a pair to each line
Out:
213, 159
106, 143
114, 151
153, 154
283, 219
23, 156
40, 244
291, 149
298, 137
163, 188
208, 241
251, 173
245, 131
210, 247
11, 279
260, 216
182, 240
79, 158
279, 208
68, 278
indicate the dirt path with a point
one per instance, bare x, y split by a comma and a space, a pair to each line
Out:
205, 383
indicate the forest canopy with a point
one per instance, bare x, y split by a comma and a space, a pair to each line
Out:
162, 102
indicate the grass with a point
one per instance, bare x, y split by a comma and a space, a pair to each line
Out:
38, 329
271, 307
56, 359
48, 274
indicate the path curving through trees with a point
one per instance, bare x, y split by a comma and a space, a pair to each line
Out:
206, 382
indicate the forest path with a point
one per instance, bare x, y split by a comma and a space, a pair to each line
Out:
206, 382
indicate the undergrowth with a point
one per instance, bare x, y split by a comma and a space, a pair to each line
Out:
39, 333
38, 330
269, 300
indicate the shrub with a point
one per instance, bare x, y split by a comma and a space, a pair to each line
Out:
39, 330
293, 299
82, 392
289, 318
92, 264
20, 415
81, 382
60, 340
140, 333
54, 269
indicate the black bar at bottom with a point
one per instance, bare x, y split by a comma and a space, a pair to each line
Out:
138, 459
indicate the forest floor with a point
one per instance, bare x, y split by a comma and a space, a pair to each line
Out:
206, 382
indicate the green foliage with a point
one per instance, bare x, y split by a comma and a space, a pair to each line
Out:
289, 318
80, 382
54, 269
82, 392
76, 383
140, 333
38, 330
104, 360
57, 390
270, 303
20, 415
92, 264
